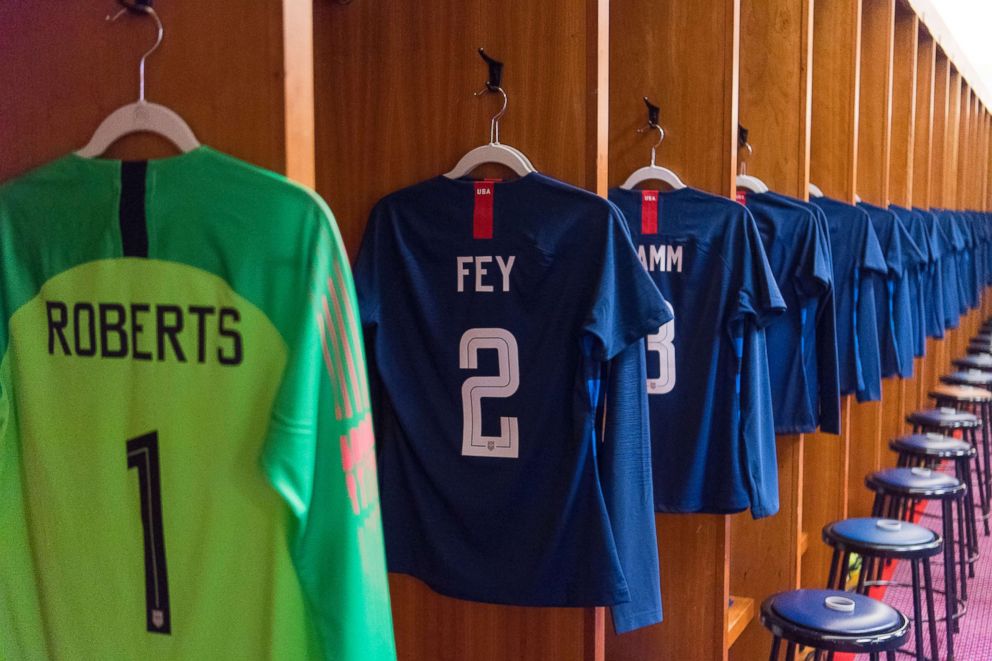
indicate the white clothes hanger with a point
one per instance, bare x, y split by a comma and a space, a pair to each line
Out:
653, 172
814, 190
141, 116
495, 151
744, 180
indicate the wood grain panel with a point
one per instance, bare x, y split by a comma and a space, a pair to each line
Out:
873, 423
696, 89
383, 124
922, 176
903, 128
60, 90
941, 106
775, 86
395, 105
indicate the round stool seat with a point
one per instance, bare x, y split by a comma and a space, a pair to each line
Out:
917, 482
932, 445
975, 361
882, 535
964, 394
944, 417
979, 347
968, 378
835, 620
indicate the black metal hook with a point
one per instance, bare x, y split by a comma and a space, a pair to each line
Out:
741, 136
495, 71
135, 7
653, 111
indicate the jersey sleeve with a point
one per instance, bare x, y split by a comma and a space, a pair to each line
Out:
320, 457
625, 472
758, 294
827, 360
866, 324
626, 304
757, 428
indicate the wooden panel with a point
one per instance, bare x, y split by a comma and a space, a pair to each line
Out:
695, 88
775, 81
938, 161
922, 177
697, 91
873, 423
953, 136
66, 87
903, 123
395, 105
383, 124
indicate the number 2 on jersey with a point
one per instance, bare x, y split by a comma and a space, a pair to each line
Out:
662, 343
477, 388
142, 454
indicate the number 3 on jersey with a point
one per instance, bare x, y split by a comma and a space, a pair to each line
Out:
477, 388
662, 343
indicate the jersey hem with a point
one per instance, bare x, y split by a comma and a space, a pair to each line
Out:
636, 621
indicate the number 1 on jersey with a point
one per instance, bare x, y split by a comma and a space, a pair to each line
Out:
142, 454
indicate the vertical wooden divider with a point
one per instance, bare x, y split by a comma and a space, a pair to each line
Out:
903, 133
775, 80
696, 89
951, 148
938, 167
922, 174
922, 177
395, 105
833, 167
878, 19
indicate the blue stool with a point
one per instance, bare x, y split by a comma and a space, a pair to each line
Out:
895, 489
977, 401
945, 421
976, 361
833, 621
975, 378
878, 541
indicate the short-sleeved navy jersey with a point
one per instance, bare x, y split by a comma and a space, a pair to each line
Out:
800, 260
950, 268
858, 261
497, 317
917, 275
892, 296
712, 434
933, 288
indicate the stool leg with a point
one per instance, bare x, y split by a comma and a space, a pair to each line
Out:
832, 578
776, 643
950, 578
962, 469
964, 544
845, 570
873, 656
917, 610
982, 473
878, 504
931, 613
891, 656
790, 651
986, 430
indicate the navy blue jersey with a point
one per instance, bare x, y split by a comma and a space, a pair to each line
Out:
498, 317
858, 261
917, 274
892, 295
933, 287
712, 432
791, 238
950, 268
820, 338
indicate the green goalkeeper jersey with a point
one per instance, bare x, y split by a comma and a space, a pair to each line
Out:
187, 464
